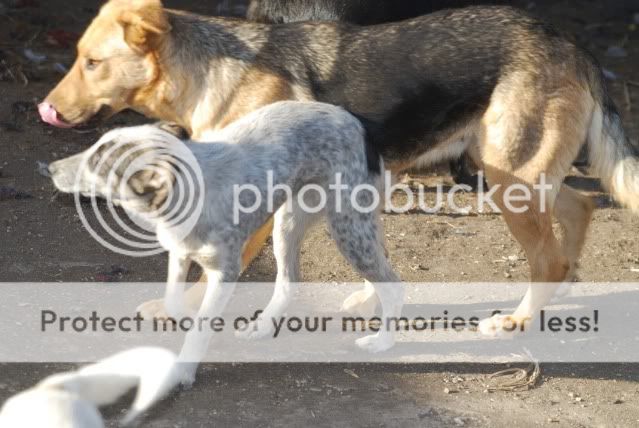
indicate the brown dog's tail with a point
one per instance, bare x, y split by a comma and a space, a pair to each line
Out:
613, 157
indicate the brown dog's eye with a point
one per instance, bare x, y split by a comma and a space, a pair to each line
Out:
91, 63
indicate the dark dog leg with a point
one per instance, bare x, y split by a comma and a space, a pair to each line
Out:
460, 171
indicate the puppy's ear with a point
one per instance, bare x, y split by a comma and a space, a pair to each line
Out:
173, 129
144, 23
154, 183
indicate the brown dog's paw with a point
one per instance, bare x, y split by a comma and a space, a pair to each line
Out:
503, 325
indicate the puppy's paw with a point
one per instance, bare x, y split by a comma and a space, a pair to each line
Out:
376, 343
255, 330
502, 326
179, 312
153, 310
362, 303
157, 310
187, 375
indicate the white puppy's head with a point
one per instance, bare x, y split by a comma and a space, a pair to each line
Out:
133, 167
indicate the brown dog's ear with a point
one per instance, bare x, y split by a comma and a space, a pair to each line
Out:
144, 23
154, 184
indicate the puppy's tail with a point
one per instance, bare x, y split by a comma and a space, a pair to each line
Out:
153, 370
613, 157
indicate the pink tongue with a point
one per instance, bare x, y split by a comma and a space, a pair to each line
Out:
50, 116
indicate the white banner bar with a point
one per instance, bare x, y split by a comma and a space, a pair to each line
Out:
64, 322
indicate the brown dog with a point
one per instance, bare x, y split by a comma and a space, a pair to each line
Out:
491, 78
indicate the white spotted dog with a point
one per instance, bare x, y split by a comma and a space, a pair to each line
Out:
71, 399
300, 145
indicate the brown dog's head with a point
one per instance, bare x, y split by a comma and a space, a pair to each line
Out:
115, 62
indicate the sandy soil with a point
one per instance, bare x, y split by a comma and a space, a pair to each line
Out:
42, 240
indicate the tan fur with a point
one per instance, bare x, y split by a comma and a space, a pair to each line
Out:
143, 25
527, 133
574, 212
258, 89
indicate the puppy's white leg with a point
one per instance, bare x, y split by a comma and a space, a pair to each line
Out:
174, 304
220, 287
288, 236
358, 236
175, 285
363, 302
391, 297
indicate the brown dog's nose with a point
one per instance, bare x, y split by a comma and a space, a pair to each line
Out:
49, 115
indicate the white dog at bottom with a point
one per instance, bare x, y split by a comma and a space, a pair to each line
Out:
71, 400
300, 149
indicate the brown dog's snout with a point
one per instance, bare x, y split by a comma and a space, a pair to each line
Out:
50, 115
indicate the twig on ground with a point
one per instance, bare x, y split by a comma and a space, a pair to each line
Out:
597, 25
518, 379
624, 41
32, 38
8, 70
25, 80
626, 96
85, 130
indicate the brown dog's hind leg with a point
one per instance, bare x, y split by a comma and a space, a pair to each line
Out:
574, 212
548, 265
528, 139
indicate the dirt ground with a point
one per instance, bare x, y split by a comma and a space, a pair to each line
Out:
42, 239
